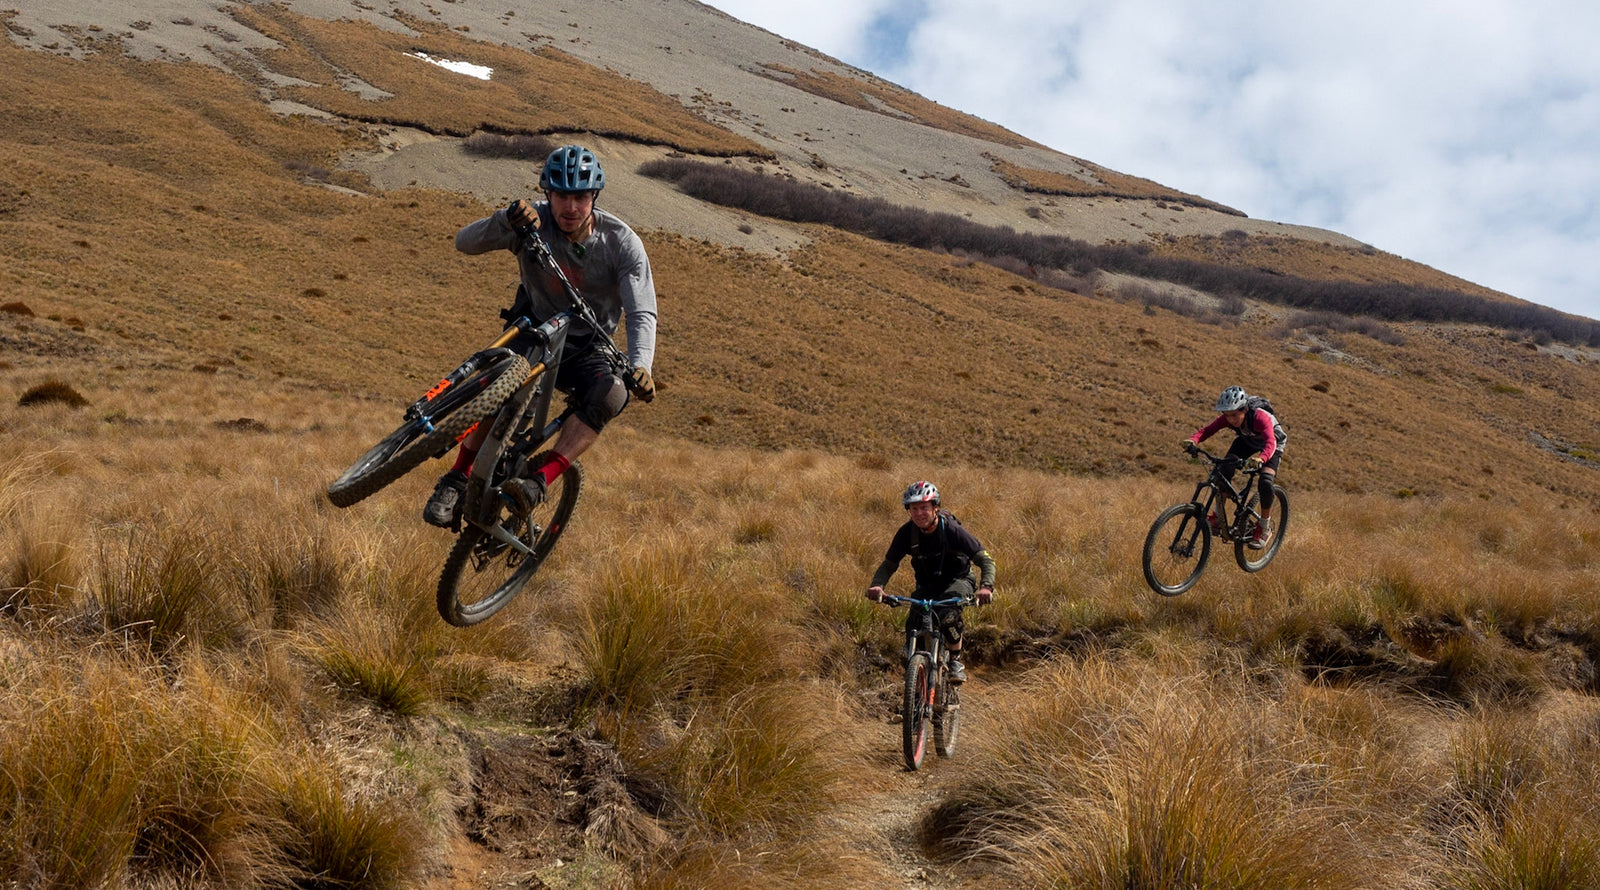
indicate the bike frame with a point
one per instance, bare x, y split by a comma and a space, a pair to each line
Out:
1220, 493
927, 637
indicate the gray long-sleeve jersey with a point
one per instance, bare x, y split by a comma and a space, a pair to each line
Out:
609, 268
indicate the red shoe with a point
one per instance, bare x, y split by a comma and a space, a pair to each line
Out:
1260, 536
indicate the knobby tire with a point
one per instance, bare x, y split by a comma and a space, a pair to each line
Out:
408, 447
913, 725
481, 574
1176, 549
1256, 560
947, 717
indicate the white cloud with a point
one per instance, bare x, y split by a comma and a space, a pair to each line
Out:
1459, 134
839, 28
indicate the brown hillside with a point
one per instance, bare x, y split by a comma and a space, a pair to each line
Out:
1315, 260
357, 71
179, 243
874, 95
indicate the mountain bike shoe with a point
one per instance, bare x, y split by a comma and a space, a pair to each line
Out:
958, 671
445, 502
1260, 536
524, 494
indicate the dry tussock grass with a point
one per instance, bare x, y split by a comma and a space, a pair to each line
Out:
698, 584
538, 91
1104, 184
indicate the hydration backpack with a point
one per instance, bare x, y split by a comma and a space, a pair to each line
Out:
1254, 402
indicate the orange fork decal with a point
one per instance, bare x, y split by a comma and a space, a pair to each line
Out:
439, 387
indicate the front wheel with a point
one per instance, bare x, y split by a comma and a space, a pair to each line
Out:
947, 718
1176, 549
914, 720
1256, 560
451, 415
483, 573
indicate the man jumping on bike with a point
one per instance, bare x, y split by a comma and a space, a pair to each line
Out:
606, 262
941, 552
1258, 438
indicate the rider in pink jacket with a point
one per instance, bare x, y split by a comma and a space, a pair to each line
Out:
1258, 436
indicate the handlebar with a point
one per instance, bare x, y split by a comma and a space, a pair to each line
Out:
1196, 451
892, 600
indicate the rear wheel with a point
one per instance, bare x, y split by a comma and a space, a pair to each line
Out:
1176, 549
483, 573
451, 415
1256, 560
914, 723
947, 718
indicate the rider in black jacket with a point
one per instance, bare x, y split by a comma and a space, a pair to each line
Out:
942, 553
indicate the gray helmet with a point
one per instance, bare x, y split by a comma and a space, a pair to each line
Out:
572, 168
919, 492
1232, 399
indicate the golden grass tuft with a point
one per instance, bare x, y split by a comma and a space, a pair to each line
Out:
335, 839
1096, 181
1134, 775
164, 590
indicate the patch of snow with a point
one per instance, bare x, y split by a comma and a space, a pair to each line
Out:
481, 72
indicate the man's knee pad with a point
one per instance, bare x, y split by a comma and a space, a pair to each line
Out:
952, 625
603, 400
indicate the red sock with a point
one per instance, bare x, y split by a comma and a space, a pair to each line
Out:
554, 467
464, 460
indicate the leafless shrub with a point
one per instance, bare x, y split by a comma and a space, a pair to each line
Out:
522, 147
877, 218
1332, 322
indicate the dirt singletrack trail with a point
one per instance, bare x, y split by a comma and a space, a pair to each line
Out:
886, 823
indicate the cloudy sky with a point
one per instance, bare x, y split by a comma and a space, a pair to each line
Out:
1464, 134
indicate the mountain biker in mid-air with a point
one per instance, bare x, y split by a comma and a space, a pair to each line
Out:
603, 258
1258, 437
941, 552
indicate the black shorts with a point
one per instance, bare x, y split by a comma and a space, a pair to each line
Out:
1241, 449
596, 393
949, 619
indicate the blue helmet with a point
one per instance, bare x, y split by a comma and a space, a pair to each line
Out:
1232, 399
572, 168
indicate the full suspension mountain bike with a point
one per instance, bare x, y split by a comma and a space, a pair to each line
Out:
1179, 542
497, 551
930, 698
